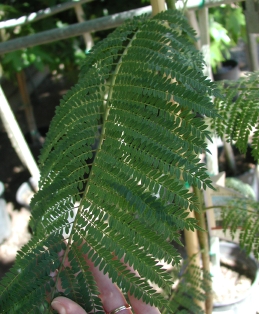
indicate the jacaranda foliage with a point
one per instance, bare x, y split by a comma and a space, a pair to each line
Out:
120, 151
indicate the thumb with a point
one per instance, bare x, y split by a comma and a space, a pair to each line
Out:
66, 306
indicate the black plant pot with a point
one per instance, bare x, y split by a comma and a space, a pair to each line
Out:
229, 70
244, 265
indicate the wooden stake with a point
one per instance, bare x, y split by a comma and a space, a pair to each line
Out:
157, 6
191, 15
204, 245
16, 137
87, 36
28, 107
193, 251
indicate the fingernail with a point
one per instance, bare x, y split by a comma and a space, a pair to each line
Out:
58, 307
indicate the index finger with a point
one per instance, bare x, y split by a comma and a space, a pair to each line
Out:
112, 296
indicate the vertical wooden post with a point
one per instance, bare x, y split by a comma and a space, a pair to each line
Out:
204, 246
252, 40
157, 6
201, 237
212, 159
205, 39
203, 14
194, 24
28, 107
193, 252
252, 28
87, 36
16, 137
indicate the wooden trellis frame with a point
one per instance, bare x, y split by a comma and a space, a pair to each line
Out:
42, 14
98, 24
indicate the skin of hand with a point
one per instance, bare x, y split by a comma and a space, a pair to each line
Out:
110, 295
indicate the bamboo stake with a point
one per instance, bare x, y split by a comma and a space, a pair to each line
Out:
157, 6
192, 244
212, 159
16, 137
193, 252
203, 15
28, 107
191, 15
253, 50
204, 245
252, 30
87, 36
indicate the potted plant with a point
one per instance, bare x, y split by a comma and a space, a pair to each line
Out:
239, 124
133, 113
227, 27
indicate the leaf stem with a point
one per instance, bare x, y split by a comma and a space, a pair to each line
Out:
170, 4
102, 137
230, 207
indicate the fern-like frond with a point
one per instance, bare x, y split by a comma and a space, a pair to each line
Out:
242, 214
191, 290
114, 167
240, 112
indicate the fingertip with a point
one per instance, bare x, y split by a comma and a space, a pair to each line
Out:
56, 305
66, 306
141, 307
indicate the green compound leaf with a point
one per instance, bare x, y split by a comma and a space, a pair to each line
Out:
114, 167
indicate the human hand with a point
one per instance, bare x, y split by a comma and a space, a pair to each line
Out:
112, 298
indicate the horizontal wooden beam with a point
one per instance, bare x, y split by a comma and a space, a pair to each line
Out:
102, 23
36, 16
198, 4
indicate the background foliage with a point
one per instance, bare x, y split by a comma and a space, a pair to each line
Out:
227, 26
